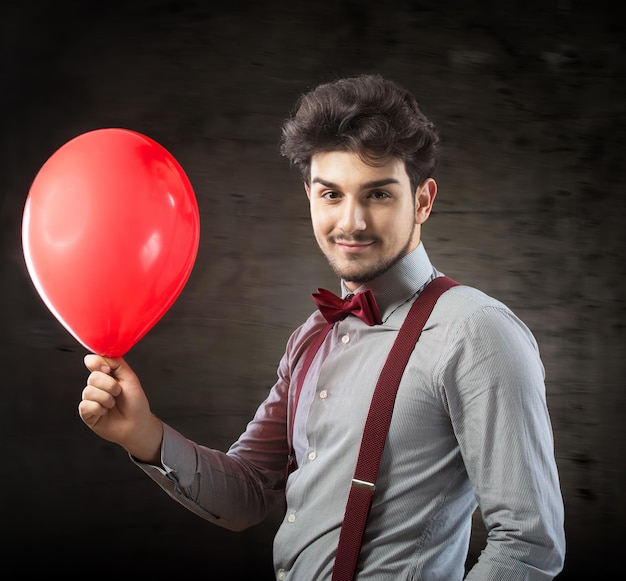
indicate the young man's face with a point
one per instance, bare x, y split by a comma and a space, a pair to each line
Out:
365, 218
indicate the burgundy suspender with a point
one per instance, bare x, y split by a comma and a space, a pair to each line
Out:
311, 352
376, 425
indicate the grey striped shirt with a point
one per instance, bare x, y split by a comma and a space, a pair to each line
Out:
470, 427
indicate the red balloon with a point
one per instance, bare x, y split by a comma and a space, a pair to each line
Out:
110, 234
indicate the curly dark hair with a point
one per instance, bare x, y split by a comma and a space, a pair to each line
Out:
368, 115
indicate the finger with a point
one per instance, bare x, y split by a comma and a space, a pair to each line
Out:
104, 382
90, 412
99, 396
95, 362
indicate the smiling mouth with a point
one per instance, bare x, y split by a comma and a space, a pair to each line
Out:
352, 248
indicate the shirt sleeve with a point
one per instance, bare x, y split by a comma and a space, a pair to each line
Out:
493, 381
234, 489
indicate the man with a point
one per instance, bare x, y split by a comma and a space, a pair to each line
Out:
470, 425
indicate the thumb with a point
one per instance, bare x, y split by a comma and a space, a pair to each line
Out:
119, 369
114, 366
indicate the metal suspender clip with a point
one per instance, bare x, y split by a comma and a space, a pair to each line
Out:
362, 484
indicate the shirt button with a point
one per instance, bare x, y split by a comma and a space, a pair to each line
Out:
282, 575
292, 517
312, 456
345, 339
323, 394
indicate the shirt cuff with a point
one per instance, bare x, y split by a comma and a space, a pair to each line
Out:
178, 458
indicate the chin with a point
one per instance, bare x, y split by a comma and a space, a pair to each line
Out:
355, 277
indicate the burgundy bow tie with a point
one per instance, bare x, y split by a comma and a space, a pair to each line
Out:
334, 308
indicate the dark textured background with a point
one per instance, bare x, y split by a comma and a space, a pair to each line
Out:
530, 100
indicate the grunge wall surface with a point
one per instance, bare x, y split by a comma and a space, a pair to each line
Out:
530, 100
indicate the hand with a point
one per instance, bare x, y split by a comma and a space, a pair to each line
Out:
116, 408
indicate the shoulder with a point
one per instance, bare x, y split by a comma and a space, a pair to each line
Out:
462, 303
469, 312
469, 298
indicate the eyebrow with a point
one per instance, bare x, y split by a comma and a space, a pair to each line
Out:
373, 184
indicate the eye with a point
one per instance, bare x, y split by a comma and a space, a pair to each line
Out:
380, 195
330, 195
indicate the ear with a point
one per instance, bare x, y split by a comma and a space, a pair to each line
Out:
307, 189
424, 200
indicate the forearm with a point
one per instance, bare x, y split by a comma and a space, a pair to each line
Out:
217, 486
145, 444
506, 558
509, 555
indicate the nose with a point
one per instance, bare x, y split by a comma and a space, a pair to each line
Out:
353, 216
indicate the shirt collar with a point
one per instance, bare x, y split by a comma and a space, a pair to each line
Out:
401, 282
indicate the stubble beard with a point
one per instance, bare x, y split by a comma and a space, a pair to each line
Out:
361, 274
